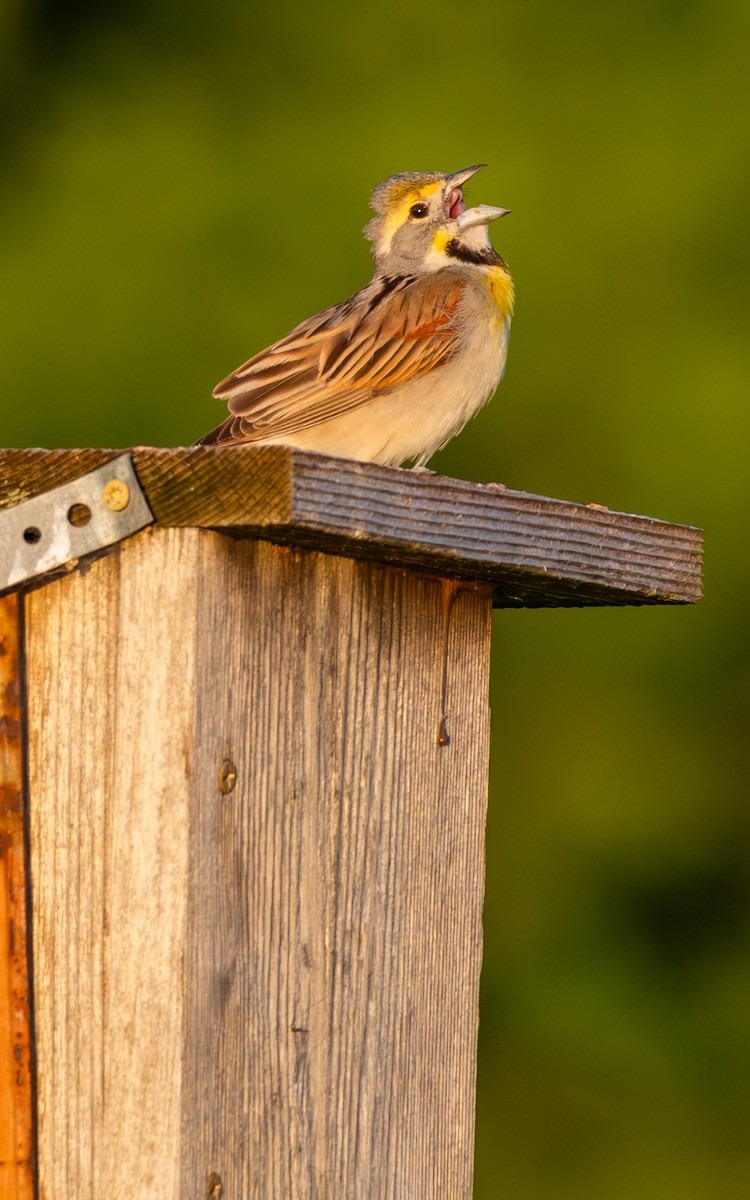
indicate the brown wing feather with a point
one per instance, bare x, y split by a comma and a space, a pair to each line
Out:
341, 358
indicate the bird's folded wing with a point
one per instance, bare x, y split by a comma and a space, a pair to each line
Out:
342, 358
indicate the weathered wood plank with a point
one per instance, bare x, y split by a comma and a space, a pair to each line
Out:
337, 891
533, 550
287, 968
110, 704
16, 1109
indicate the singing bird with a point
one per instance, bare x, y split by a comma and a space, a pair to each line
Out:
392, 374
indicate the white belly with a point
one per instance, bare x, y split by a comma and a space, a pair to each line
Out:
413, 421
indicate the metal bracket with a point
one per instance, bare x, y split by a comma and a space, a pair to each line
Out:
60, 526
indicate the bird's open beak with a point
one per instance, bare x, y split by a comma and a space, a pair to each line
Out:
458, 178
465, 218
481, 215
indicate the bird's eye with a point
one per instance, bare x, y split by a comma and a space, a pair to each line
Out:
418, 210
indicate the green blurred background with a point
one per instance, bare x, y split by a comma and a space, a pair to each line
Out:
181, 183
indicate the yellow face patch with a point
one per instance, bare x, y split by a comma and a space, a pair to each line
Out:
398, 214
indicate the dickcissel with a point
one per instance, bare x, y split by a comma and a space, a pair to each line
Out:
395, 372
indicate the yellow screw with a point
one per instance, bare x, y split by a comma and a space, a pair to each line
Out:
116, 495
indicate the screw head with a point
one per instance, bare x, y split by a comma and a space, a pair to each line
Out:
116, 495
227, 776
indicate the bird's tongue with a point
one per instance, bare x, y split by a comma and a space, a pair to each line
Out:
456, 203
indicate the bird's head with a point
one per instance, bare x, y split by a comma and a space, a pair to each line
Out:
422, 223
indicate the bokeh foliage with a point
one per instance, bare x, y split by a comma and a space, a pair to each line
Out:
181, 183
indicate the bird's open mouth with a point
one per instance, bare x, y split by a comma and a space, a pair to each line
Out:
455, 203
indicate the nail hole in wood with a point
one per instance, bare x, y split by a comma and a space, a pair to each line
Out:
32, 535
227, 777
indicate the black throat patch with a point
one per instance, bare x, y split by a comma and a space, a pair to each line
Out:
486, 257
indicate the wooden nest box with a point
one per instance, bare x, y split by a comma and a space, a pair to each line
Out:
244, 740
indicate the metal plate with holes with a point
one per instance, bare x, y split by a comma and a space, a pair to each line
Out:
62, 525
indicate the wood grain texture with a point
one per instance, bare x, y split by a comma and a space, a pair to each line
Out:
16, 1107
110, 686
535, 551
269, 991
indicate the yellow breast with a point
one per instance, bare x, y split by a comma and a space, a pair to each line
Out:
501, 289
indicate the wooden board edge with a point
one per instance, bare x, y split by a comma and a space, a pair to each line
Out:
17, 1135
554, 552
